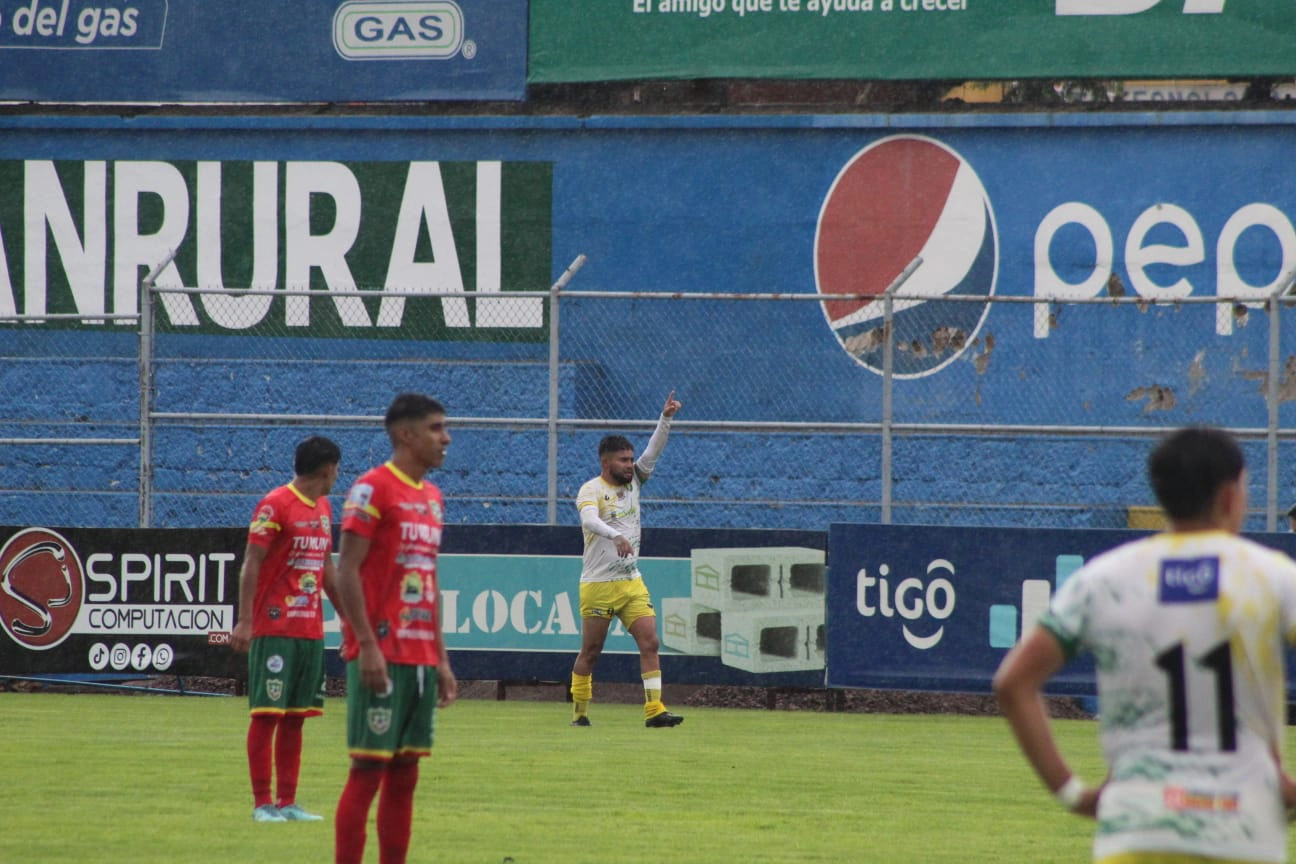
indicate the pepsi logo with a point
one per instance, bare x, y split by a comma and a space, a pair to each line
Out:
901, 198
42, 585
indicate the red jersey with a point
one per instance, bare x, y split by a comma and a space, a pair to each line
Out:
402, 518
297, 534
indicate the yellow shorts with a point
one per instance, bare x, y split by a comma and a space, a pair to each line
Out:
626, 599
1162, 858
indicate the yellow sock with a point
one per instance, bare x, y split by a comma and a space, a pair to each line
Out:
652, 693
582, 691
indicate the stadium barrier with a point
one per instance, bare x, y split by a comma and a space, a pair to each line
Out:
896, 607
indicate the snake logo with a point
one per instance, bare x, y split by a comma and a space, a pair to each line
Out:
42, 585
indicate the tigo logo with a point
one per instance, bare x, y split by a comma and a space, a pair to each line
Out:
400, 30
902, 198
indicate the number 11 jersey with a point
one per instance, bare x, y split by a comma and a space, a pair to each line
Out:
1188, 632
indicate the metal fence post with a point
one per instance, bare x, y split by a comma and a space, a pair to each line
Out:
888, 381
146, 333
555, 292
1271, 396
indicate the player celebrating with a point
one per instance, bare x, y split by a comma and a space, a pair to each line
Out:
286, 564
611, 585
398, 669
1188, 629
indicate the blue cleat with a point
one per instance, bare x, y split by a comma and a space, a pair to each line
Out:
267, 813
294, 813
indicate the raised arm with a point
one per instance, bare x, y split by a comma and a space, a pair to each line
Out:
648, 459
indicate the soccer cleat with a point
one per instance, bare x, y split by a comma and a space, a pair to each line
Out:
582, 721
294, 813
267, 813
663, 720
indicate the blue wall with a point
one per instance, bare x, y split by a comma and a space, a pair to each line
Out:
691, 205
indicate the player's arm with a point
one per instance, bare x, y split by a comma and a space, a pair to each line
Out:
447, 684
350, 597
648, 459
1018, 686
330, 585
249, 575
593, 523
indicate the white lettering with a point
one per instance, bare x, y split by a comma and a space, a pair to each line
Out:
1229, 283
490, 612
83, 261
1133, 7
133, 251
305, 251
424, 203
1047, 281
226, 310
497, 311
1138, 256
169, 575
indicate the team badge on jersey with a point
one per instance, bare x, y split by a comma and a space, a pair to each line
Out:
379, 720
359, 496
1191, 580
263, 521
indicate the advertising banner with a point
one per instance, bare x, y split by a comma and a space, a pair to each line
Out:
143, 603
246, 51
1193, 207
418, 226
103, 602
917, 608
908, 39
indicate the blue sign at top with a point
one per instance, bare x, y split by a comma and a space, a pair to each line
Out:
245, 51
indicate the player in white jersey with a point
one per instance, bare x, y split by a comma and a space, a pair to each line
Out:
1187, 629
611, 585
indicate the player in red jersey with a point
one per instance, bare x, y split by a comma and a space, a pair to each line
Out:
281, 625
398, 669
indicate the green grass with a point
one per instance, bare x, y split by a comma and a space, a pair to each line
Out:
140, 779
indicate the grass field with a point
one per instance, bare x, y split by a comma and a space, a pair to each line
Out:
141, 779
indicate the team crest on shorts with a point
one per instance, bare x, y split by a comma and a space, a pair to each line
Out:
274, 689
275, 663
379, 720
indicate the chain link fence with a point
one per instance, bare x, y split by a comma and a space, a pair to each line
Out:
70, 417
942, 410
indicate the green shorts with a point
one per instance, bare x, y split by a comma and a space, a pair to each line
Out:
286, 676
398, 724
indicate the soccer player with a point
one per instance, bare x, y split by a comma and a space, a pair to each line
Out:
398, 669
611, 585
280, 624
1187, 629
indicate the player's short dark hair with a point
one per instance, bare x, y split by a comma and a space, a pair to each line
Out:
411, 406
614, 444
1188, 468
315, 453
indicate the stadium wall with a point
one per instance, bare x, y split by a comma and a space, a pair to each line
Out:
1032, 413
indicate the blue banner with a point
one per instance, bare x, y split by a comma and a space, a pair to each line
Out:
920, 608
246, 51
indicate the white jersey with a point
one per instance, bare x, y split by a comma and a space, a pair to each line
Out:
1187, 633
618, 507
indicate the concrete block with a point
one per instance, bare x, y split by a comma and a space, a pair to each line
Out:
772, 640
689, 627
776, 577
